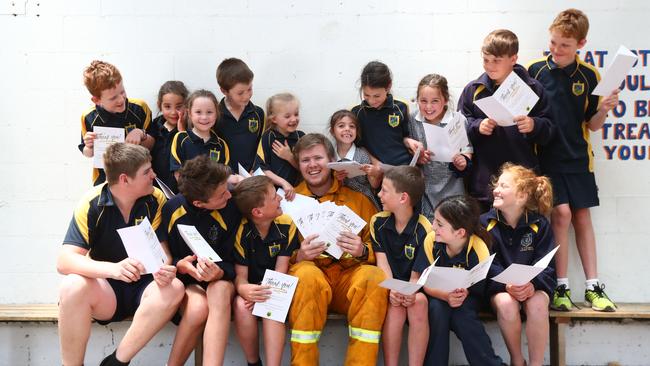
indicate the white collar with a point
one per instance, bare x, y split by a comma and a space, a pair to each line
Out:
349, 155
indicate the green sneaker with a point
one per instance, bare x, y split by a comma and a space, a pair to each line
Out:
561, 299
598, 299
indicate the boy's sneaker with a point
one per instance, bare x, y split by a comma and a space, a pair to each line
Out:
561, 299
598, 299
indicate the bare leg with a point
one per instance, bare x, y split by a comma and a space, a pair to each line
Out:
536, 308
507, 309
195, 312
274, 336
246, 329
585, 241
81, 299
560, 222
157, 306
215, 336
418, 329
392, 334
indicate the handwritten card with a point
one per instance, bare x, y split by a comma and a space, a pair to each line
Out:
105, 137
520, 274
616, 72
197, 243
448, 278
277, 306
141, 243
353, 168
513, 98
447, 141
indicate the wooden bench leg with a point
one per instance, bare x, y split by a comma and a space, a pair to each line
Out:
557, 340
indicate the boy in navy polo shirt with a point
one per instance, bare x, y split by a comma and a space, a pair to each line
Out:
568, 158
203, 202
242, 122
493, 144
265, 240
396, 234
112, 109
101, 282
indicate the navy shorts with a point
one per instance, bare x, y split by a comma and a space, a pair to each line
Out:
579, 190
127, 296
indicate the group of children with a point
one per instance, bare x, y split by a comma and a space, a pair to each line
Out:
197, 141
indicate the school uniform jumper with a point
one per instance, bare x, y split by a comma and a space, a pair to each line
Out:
527, 243
136, 115
348, 286
463, 320
506, 144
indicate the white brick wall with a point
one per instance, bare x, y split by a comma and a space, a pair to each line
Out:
315, 50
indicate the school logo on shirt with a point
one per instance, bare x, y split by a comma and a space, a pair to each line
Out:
213, 234
253, 125
526, 242
578, 88
215, 154
274, 249
409, 251
393, 120
130, 127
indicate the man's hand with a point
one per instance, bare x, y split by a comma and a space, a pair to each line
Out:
350, 243
310, 249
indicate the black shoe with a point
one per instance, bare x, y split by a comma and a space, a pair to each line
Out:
111, 360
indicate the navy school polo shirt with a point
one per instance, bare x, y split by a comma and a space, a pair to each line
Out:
267, 160
243, 134
97, 218
136, 115
160, 153
187, 145
569, 92
260, 254
383, 130
400, 248
216, 226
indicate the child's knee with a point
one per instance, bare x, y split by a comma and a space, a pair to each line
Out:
561, 215
506, 307
196, 311
220, 294
72, 287
581, 218
537, 305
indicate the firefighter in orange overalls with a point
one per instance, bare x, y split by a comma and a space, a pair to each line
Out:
347, 286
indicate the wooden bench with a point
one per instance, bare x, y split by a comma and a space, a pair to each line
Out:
558, 321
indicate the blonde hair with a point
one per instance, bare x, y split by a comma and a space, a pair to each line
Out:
100, 76
572, 23
273, 102
537, 188
500, 43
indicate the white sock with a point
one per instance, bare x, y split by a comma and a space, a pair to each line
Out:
563, 281
590, 284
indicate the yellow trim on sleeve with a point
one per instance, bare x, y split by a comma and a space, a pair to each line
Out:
178, 213
429, 242
160, 199
217, 216
238, 246
478, 246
